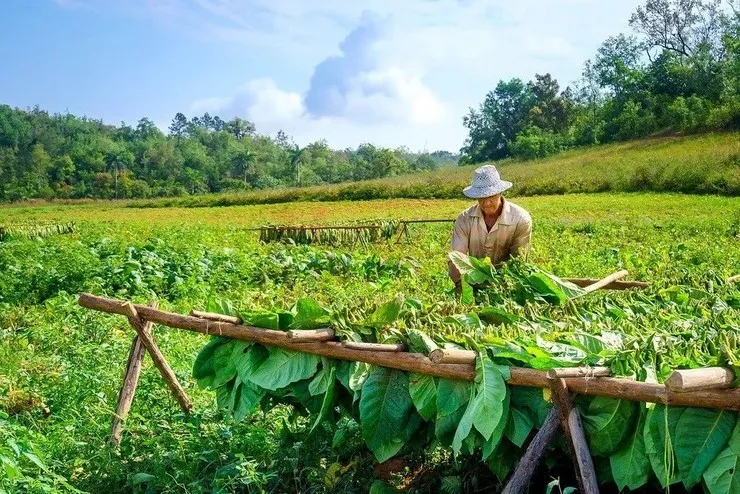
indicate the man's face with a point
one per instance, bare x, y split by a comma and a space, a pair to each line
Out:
489, 205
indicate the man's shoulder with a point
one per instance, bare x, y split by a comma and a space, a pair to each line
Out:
468, 213
519, 214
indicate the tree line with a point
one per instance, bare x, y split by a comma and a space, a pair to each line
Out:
64, 156
678, 70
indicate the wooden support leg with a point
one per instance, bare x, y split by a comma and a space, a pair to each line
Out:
130, 380
519, 481
159, 361
570, 421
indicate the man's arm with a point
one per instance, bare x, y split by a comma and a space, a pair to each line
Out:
522, 239
460, 243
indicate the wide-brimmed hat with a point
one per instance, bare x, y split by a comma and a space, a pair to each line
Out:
486, 183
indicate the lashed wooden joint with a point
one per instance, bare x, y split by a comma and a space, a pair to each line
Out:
375, 347
452, 356
311, 335
211, 316
586, 372
681, 381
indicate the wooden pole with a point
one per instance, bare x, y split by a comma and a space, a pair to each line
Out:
375, 347
130, 380
614, 285
215, 317
310, 335
570, 421
606, 281
684, 380
452, 356
159, 361
564, 372
519, 481
624, 389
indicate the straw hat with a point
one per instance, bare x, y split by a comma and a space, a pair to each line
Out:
486, 183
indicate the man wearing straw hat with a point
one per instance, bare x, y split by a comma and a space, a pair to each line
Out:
494, 227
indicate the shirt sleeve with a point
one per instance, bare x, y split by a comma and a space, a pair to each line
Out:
460, 242
522, 239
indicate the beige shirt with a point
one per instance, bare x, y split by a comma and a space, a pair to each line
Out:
510, 235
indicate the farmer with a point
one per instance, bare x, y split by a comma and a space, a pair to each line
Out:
493, 228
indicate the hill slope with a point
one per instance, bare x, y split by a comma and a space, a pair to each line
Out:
706, 164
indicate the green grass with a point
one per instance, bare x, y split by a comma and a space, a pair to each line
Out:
61, 365
706, 164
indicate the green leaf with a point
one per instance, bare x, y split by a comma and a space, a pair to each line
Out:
488, 403
467, 297
250, 361
260, 319
328, 403
608, 422
203, 370
464, 428
452, 396
464, 321
494, 315
552, 288
519, 425
320, 382
386, 410
475, 271
701, 434
630, 465
533, 400
284, 367
142, 478
245, 398
723, 475
223, 364
309, 315
386, 314
735, 439
380, 487
659, 442
423, 390
492, 445
358, 374
420, 342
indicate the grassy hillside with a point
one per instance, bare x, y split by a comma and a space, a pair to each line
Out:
707, 164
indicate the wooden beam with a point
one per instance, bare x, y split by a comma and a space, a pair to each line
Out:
614, 285
453, 356
130, 381
570, 421
624, 389
147, 340
310, 335
606, 281
519, 482
563, 372
375, 347
684, 380
215, 317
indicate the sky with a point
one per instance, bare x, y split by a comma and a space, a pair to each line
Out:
391, 73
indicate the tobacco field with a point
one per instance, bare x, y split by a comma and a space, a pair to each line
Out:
274, 420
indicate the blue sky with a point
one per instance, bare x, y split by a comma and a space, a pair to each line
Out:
388, 72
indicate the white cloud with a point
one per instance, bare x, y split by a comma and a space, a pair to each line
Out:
406, 73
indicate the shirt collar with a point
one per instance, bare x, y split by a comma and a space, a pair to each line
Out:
503, 219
